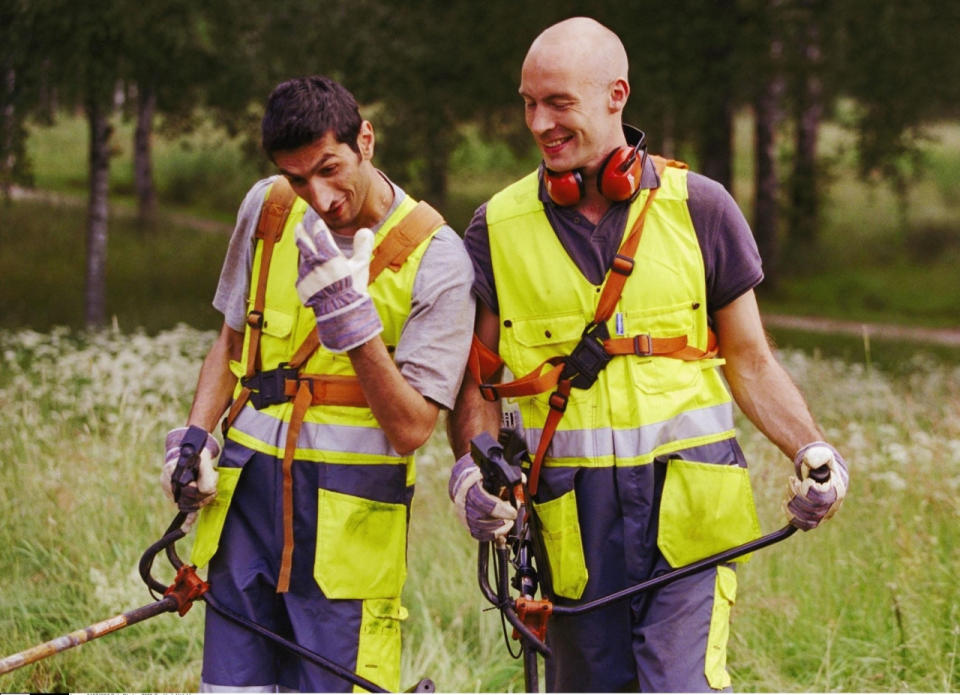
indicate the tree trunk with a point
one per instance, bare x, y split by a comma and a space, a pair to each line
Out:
715, 136
95, 294
808, 100
8, 132
766, 209
716, 150
142, 162
438, 159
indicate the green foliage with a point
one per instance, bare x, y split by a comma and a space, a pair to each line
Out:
155, 280
896, 292
884, 617
868, 603
206, 169
890, 66
74, 466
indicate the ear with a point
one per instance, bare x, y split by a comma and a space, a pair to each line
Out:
617, 95
366, 140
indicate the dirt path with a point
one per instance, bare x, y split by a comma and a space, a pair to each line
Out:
883, 331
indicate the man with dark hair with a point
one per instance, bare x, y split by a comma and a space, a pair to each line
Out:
334, 369
628, 271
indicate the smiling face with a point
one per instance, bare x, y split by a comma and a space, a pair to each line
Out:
566, 114
334, 179
573, 84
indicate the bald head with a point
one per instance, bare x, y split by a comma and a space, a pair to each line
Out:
574, 88
582, 45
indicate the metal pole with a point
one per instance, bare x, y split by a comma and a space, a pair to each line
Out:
78, 637
679, 573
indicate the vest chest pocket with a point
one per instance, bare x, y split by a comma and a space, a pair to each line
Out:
361, 547
705, 508
277, 324
276, 340
525, 343
657, 375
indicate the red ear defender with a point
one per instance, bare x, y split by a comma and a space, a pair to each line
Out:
565, 189
619, 175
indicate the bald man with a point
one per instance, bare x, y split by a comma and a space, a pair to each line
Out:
636, 467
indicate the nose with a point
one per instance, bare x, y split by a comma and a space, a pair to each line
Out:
320, 195
538, 119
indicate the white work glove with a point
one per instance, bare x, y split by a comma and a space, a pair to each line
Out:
200, 492
808, 502
335, 287
487, 517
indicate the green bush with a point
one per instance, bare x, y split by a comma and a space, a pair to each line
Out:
206, 169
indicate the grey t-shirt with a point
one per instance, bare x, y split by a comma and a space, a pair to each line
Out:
436, 336
730, 256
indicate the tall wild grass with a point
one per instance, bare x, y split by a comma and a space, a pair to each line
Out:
869, 602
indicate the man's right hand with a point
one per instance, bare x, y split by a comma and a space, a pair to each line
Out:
200, 492
488, 518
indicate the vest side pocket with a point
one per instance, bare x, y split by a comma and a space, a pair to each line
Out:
212, 517
564, 545
715, 660
705, 508
361, 547
378, 648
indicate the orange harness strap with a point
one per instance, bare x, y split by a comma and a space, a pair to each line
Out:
416, 226
273, 217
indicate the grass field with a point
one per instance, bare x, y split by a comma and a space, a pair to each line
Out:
868, 603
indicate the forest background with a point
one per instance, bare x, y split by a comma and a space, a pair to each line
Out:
128, 136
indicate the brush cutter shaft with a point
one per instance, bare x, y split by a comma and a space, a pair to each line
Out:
78, 637
679, 572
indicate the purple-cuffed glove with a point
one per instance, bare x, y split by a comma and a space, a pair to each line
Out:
813, 496
335, 287
199, 493
488, 518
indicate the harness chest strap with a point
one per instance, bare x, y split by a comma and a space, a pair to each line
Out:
486, 362
273, 216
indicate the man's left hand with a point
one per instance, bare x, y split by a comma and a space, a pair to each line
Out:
816, 491
335, 287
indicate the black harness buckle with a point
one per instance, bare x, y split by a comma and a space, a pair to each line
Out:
588, 358
269, 387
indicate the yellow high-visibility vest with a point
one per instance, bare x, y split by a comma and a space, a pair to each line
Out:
640, 407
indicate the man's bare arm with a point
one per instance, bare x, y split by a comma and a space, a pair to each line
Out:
760, 385
406, 417
472, 414
216, 382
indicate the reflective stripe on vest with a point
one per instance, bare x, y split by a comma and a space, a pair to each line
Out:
599, 448
545, 303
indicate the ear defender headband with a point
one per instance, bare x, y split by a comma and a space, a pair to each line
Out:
617, 180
